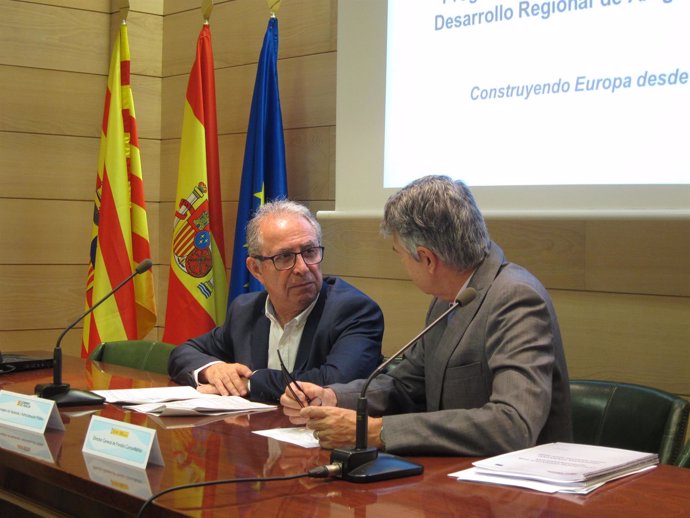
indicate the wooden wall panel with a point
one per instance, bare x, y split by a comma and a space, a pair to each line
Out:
50, 101
355, 248
41, 232
41, 340
100, 6
49, 301
307, 90
48, 166
144, 6
639, 257
554, 251
50, 37
310, 157
634, 338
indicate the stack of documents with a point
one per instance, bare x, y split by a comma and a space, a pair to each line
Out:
179, 401
559, 467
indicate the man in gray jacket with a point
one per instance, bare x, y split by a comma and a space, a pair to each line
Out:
490, 379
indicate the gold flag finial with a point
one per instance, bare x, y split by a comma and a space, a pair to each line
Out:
206, 8
273, 6
124, 10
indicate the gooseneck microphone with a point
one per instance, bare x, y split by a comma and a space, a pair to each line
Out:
364, 464
60, 392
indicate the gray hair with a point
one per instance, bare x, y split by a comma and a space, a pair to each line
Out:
440, 214
272, 209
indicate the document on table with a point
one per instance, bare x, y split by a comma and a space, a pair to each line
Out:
559, 467
150, 395
209, 404
301, 436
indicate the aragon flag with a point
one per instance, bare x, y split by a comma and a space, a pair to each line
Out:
120, 234
264, 176
197, 283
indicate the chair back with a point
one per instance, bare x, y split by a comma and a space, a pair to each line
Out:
633, 417
139, 354
684, 457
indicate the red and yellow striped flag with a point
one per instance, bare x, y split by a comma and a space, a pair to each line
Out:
197, 284
120, 234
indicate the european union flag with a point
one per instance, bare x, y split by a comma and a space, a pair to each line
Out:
264, 176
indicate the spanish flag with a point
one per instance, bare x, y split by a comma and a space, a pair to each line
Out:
197, 284
120, 234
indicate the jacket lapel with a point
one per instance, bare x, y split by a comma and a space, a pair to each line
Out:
259, 340
439, 353
306, 343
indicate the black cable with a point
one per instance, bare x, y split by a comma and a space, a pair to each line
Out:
323, 471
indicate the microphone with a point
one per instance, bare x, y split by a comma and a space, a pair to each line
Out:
60, 392
364, 464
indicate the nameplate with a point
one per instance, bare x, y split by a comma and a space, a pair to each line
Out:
122, 442
29, 413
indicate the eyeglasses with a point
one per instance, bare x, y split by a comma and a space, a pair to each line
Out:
287, 260
288, 379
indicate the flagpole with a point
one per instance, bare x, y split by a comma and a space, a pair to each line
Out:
124, 10
206, 8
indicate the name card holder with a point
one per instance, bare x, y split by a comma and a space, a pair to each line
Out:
128, 479
122, 442
29, 413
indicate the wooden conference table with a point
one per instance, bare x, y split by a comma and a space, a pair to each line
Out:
197, 449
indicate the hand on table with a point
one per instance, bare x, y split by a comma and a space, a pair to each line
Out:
226, 379
333, 427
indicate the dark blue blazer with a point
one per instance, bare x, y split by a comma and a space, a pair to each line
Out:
341, 341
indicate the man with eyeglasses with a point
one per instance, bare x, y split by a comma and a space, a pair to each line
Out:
322, 329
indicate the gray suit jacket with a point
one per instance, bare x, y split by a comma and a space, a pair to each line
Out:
489, 380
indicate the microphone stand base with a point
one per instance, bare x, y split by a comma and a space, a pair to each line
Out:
370, 465
64, 396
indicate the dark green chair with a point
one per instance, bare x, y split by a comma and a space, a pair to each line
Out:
684, 457
139, 354
628, 416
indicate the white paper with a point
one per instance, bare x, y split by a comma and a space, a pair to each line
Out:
300, 436
559, 467
215, 405
151, 395
566, 463
473, 475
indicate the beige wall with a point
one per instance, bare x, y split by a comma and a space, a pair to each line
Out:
621, 287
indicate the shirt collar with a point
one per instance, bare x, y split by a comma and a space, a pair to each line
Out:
298, 321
